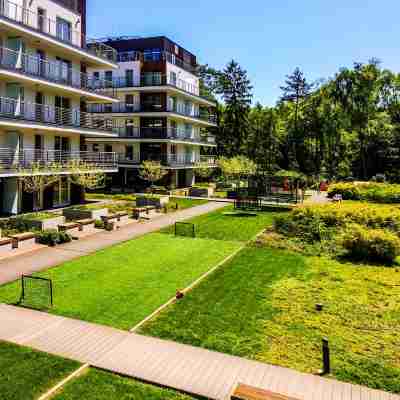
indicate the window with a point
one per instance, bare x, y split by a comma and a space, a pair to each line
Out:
129, 152
96, 76
64, 31
152, 55
129, 77
41, 19
108, 148
172, 78
108, 77
151, 79
95, 147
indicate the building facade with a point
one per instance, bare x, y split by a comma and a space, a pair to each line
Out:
160, 115
45, 90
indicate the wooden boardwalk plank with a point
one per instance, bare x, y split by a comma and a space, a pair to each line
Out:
190, 369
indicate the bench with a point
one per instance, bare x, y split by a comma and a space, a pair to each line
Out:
142, 212
70, 227
123, 216
6, 245
85, 224
23, 240
246, 392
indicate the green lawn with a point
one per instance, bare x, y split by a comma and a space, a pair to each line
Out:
184, 203
216, 225
101, 385
25, 373
121, 285
261, 305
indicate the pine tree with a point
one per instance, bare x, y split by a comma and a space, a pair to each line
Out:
295, 91
235, 88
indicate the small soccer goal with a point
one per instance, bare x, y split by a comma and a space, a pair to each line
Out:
36, 292
185, 229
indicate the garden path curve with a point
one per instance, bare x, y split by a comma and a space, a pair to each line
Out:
190, 369
38, 260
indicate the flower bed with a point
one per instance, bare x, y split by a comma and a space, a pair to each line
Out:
369, 191
43, 221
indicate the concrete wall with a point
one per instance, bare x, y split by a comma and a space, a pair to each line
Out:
184, 77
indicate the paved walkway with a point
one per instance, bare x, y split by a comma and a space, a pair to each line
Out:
14, 267
186, 368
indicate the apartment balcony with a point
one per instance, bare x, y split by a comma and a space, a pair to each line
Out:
21, 114
169, 160
55, 34
151, 80
163, 134
156, 110
53, 74
156, 56
44, 162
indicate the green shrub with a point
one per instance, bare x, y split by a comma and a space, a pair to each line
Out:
51, 237
377, 192
99, 224
375, 245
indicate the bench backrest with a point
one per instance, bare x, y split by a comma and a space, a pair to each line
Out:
245, 392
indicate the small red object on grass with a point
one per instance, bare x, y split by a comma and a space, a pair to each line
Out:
179, 294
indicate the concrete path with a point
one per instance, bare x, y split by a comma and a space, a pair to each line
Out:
186, 368
12, 268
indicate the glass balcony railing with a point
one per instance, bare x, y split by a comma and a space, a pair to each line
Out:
171, 160
156, 79
45, 114
161, 133
156, 56
60, 29
151, 107
31, 161
52, 71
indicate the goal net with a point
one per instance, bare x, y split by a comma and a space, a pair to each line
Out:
184, 229
36, 292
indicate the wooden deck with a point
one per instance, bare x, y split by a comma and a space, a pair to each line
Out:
186, 368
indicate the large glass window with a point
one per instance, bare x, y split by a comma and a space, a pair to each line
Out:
64, 31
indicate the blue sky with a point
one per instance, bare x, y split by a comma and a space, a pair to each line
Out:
269, 38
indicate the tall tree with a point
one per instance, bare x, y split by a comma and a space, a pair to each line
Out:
295, 91
235, 89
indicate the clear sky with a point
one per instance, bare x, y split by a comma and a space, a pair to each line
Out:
269, 38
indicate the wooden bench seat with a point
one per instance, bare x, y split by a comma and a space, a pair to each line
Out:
70, 227
245, 392
85, 224
23, 240
139, 212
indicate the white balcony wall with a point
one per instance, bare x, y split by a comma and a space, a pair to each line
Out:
120, 73
184, 79
14, 9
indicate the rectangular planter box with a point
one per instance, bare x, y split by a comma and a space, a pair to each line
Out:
49, 223
201, 192
75, 214
160, 201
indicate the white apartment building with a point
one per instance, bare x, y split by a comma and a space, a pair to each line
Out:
44, 92
160, 115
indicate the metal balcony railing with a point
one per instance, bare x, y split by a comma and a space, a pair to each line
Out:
60, 29
43, 113
155, 79
135, 132
172, 160
52, 71
36, 161
150, 107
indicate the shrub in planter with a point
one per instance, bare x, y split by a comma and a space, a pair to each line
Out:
376, 245
99, 224
52, 237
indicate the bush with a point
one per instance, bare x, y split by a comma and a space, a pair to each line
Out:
377, 192
375, 245
52, 237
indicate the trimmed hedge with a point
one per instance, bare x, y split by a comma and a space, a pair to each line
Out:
375, 245
53, 237
369, 191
